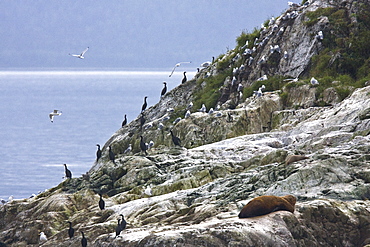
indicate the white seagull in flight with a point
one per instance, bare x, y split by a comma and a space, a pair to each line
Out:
54, 113
177, 65
81, 56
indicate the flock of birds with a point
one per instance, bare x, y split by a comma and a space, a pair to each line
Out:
121, 222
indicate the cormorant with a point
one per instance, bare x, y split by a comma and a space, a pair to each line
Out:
184, 79
67, 171
71, 231
123, 223
124, 121
175, 139
118, 228
143, 146
98, 153
142, 120
83, 240
101, 202
111, 155
164, 90
145, 104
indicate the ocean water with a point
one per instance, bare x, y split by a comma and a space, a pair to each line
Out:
93, 103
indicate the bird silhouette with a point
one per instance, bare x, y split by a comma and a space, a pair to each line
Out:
101, 202
67, 172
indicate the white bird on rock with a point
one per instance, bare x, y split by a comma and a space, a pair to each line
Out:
43, 237
81, 56
203, 109
54, 113
314, 81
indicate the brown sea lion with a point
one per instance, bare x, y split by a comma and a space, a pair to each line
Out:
266, 204
293, 158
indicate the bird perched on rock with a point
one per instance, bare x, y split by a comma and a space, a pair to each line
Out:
111, 155
71, 231
124, 122
314, 81
187, 114
83, 240
128, 149
145, 104
53, 114
43, 237
148, 190
175, 139
123, 222
190, 105
143, 146
142, 120
98, 153
67, 172
184, 79
101, 202
177, 120
164, 90
118, 228
203, 109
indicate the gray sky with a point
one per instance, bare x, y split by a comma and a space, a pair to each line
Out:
124, 34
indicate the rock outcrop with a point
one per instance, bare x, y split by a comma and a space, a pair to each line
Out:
192, 195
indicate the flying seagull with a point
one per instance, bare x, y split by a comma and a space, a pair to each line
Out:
81, 56
54, 113
177, 65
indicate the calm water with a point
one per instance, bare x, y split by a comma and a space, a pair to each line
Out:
33, 150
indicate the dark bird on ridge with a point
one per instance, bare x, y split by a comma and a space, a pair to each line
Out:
143, 146
123, 223
142, 120
83, 240
118, 228
175, 139
184, 79
164, 90
98, 153
101, 202
71, 231
67, 171
145, 104
111, 155
124, 121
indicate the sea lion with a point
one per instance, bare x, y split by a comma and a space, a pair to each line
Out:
266, 204
293, 158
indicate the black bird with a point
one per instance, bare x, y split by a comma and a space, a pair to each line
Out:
111, 155
118, 228
124, 121
123, 223
175, 139
164, 90
68, 172
71, 231
101, 203
83, 240
143, 146
184, 79
98, 153
144, 105
142, 120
